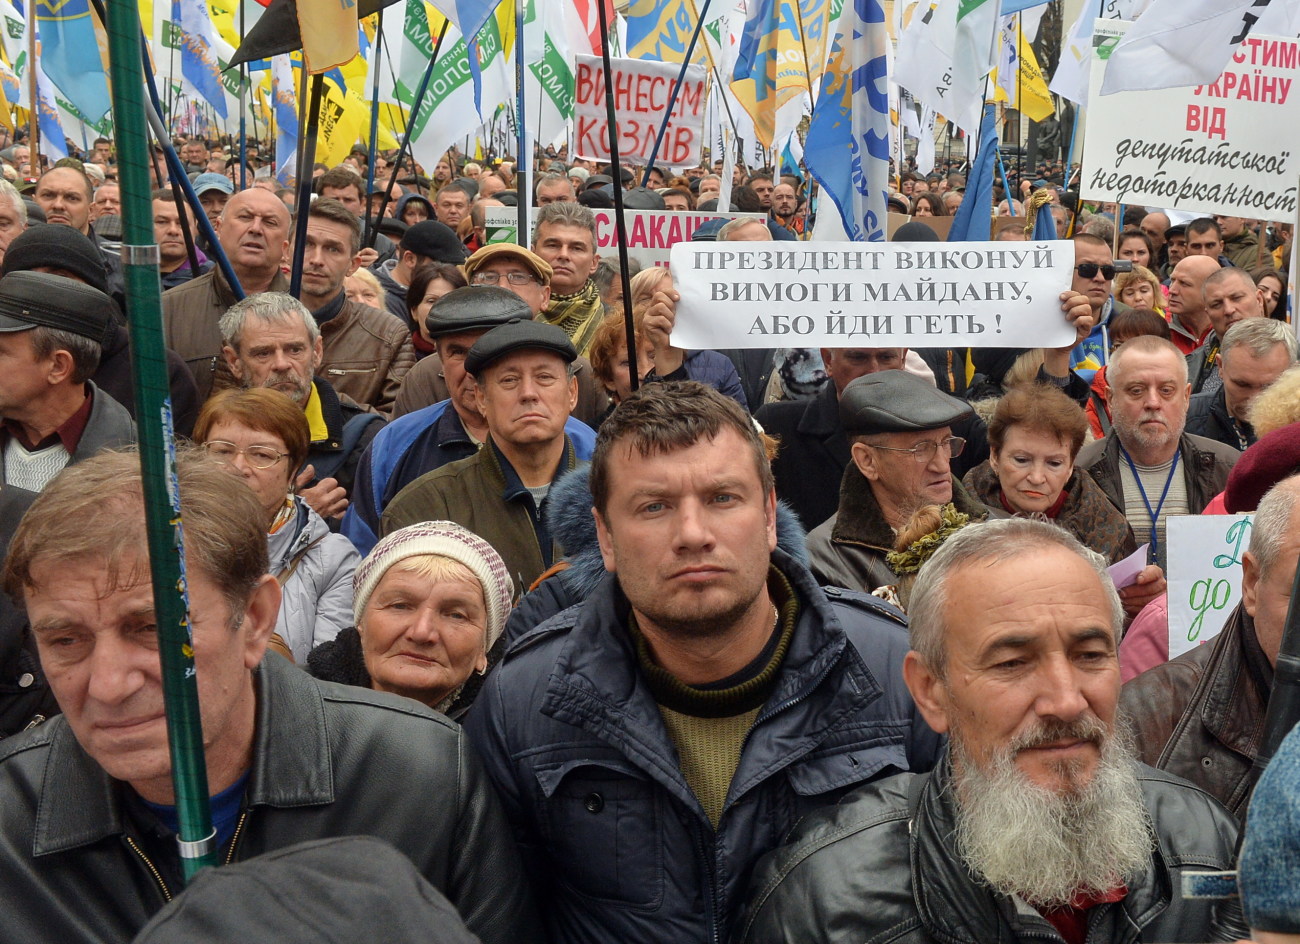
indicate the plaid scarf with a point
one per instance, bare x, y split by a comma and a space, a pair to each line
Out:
578, 314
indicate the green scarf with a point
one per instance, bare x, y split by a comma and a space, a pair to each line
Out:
578, 314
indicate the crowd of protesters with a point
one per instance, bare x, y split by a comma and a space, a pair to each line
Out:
637, 645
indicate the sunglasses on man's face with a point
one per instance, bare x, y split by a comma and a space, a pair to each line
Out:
1089, 270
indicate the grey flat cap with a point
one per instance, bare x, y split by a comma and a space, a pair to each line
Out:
41, 299
519, 336
894, 401
475, 308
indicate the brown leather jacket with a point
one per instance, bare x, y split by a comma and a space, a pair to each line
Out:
1201, 716
367, 353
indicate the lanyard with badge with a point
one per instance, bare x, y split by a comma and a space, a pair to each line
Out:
1153, 547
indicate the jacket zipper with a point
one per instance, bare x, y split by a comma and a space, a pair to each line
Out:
152, 868
234, 840
706, 853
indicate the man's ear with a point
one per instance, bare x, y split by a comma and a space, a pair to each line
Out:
573, 393
928, 691
259, 619
61, 366
1249, 583
865, 459
317, 354
233, 362
356, 263
606, 541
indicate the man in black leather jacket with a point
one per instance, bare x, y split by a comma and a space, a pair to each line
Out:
1038, 824
87, 821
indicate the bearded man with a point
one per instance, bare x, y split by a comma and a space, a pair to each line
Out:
1038, 823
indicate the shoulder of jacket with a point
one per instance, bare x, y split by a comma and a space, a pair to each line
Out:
548, 631
864, 603
1211, 452
39, 738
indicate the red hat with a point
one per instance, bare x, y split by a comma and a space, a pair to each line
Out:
1262, 466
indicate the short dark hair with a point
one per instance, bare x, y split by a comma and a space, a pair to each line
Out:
426, 274
664, 417
1204, 225
338, 179
327, 208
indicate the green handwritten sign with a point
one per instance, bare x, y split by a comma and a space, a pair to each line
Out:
1205, 553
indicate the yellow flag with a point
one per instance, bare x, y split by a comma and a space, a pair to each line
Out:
1029, 93
329, 33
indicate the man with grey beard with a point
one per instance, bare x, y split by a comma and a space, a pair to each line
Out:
1039, 823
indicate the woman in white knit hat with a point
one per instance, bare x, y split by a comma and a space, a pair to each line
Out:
430, 604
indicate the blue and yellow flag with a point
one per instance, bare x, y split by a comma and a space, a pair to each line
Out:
662, 29
70, 55
198, 52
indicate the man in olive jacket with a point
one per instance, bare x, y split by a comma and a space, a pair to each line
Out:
87, 810
526, 390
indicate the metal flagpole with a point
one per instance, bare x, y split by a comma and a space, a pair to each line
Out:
197, 838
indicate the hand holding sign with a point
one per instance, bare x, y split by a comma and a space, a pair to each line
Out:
978, 294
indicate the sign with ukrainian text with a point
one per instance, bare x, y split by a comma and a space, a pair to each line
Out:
1204, 575
1231, 147
651, 234
853, 294
641, 94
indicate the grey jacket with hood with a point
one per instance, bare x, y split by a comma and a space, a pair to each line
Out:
317, 602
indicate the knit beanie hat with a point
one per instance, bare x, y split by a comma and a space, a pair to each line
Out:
53, 244
447, 539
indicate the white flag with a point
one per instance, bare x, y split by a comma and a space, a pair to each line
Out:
1071, 78
1179, 43
944, 56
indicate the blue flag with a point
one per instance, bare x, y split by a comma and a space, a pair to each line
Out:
1044, 224
1015, 6
198, 51
974, 218
70, 55
847, 148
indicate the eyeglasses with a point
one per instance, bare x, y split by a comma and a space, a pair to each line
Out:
924, 451
1089, 270
494, 278
259, 457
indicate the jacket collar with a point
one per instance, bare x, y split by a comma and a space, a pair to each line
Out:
1232, 710
331, 409
596, 686
291, 764
860, 520
954, 907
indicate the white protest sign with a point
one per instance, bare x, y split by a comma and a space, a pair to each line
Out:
1232, 147
1204, 575
641, 92
651, 234
855, 294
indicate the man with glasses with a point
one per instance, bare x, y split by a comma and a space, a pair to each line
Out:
1094, 270
900, 428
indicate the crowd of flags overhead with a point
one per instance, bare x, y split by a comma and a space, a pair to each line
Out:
776, 61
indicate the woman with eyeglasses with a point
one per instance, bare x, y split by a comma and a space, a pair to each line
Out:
262, 436
1034, 437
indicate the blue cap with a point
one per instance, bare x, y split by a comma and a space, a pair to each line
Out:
211, 181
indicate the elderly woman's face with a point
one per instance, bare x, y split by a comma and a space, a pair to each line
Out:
252, 454
422, 637
1032, 467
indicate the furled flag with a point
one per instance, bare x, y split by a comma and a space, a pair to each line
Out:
284, 106
198, 45
54, 142
468, 16
1071, 77
1179, 43
1020, 80
70, 54
973, 52
847, 147
13, 36
974, 217
329, 33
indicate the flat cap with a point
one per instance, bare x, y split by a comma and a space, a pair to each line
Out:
39, 299
894, 401
519, 336
435, 241
475, 308
539, 266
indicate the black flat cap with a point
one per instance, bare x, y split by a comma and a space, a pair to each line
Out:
39, 299
894, 401
518, 336
435, 241
475, 308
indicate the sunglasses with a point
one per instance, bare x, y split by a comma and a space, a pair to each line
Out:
1089, 270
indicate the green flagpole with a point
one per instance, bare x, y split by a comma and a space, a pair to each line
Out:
197, 838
